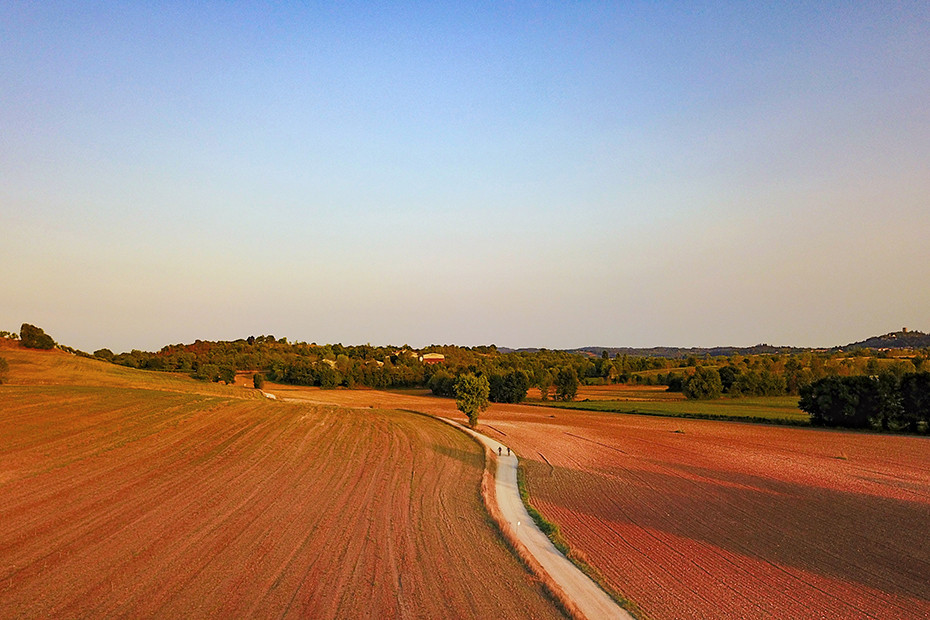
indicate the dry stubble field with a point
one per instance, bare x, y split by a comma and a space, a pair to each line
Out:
174, 501
707, 519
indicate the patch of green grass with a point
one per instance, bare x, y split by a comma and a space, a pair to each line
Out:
765, 410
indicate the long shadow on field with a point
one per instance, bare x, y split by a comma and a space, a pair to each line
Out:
471, 459
845, 535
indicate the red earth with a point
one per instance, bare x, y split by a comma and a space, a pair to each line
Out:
708, 519
132, 501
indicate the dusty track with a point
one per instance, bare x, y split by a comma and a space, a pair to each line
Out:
578, 593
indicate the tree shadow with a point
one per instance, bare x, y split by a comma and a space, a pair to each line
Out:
845, 535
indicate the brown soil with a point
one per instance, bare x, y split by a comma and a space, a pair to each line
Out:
698, 519
121, 501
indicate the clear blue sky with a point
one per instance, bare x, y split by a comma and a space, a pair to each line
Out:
525, 174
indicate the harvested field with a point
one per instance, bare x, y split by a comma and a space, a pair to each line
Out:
621, 392
705, 519
143, 502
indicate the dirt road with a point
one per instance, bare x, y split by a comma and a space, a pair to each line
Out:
586, 595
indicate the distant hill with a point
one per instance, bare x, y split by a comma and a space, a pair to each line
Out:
677, 352
904, 339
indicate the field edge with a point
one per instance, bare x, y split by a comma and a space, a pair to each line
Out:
553, 532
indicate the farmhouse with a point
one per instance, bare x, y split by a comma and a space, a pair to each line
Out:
432, 358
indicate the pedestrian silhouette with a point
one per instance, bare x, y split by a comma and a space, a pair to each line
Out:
508, 450
498, 450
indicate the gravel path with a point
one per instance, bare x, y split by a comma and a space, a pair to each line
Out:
587, 596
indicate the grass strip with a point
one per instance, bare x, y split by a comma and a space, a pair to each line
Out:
616, 407
551, 530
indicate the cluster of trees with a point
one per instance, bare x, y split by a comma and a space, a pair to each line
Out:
278, 360
33, 337
885, 401
509, 387
510, 375
782, 375
710, 382
512, 386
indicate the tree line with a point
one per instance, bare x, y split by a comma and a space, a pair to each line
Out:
511, 374
881, 402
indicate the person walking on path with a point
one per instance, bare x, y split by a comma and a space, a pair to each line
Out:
498, 450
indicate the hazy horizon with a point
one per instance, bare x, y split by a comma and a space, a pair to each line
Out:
530, 176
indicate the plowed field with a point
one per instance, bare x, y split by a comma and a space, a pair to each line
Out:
705, 519
120, 501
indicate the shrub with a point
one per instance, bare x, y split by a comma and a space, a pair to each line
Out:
258, 380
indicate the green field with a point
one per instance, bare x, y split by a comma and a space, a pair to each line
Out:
770, 410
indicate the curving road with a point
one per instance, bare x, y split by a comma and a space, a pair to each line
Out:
589, 599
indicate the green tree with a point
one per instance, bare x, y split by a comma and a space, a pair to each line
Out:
207, 372
258, 381
704, 384
728, 376
227, 373
675, 382
442, 384
915, 400
471, 396
544, 383
509, 388
104, 354
34, 337
833, 401
566, 383
329, 378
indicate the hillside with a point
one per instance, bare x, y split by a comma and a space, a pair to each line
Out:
681, 352
56, 367
904, 339
139, 494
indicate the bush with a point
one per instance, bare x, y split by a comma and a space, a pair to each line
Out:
704, 384
34, 337
258, 380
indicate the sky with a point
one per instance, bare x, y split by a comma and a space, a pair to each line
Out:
526, 174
